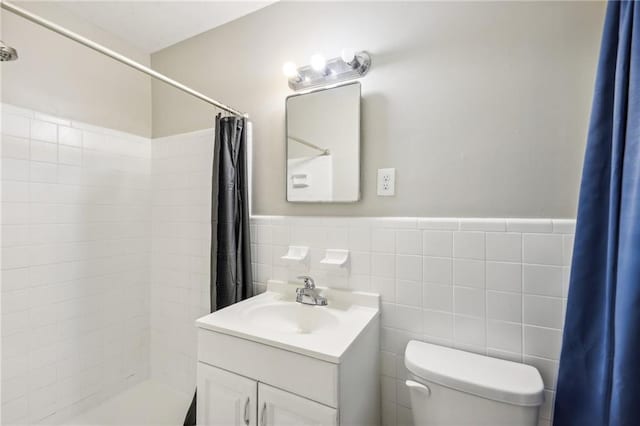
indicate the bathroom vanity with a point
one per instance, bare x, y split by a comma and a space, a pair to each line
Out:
270, 361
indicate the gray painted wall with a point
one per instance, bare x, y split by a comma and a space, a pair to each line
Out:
481, 107
63, 78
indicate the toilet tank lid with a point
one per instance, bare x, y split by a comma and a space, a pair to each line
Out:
487, 377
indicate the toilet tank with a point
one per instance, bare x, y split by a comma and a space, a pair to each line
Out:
454, 387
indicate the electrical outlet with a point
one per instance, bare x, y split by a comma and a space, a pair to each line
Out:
386, 182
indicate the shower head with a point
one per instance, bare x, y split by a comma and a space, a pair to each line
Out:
7, 53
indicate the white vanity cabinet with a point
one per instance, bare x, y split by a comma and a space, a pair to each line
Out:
257, 373
229, 399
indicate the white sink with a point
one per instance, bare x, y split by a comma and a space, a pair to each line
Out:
269, 357
291, 317
276, 319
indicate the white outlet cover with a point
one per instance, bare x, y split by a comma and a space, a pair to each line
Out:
386, 182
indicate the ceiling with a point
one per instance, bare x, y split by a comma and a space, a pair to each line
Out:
154, 25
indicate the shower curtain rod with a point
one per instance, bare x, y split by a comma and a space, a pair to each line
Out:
115, 55
324, 151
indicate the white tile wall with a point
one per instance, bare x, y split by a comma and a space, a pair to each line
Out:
491, 286
180, 253
78, 318
75, 265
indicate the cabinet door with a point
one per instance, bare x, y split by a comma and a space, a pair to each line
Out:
280, 408
224, 398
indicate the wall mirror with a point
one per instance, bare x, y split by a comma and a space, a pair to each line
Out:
323, 145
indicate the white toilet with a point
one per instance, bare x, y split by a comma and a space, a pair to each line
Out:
456, 388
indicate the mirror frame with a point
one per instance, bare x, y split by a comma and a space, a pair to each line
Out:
286, 144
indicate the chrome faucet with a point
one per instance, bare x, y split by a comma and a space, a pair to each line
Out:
308, 295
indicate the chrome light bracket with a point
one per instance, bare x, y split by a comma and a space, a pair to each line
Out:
335, 71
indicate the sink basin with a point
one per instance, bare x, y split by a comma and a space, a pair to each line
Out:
291, 317
275, 318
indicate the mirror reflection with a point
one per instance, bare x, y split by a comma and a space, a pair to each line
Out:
323, 145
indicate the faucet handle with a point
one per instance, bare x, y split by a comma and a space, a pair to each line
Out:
308, 281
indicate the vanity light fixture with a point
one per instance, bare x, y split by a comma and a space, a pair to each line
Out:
321, 72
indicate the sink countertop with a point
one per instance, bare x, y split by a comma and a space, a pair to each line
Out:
347, 315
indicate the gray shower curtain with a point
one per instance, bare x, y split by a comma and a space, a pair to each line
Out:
230, 280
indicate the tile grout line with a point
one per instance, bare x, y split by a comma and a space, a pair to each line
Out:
522, 339
486, 307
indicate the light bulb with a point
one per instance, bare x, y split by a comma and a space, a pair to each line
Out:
318, 63
289, 69
348, 55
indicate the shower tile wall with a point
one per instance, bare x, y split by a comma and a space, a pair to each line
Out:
75, 265
180, 260
491, 286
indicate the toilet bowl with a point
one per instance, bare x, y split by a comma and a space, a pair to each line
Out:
457, 388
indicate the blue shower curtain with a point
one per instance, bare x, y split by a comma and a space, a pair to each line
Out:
599, 377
